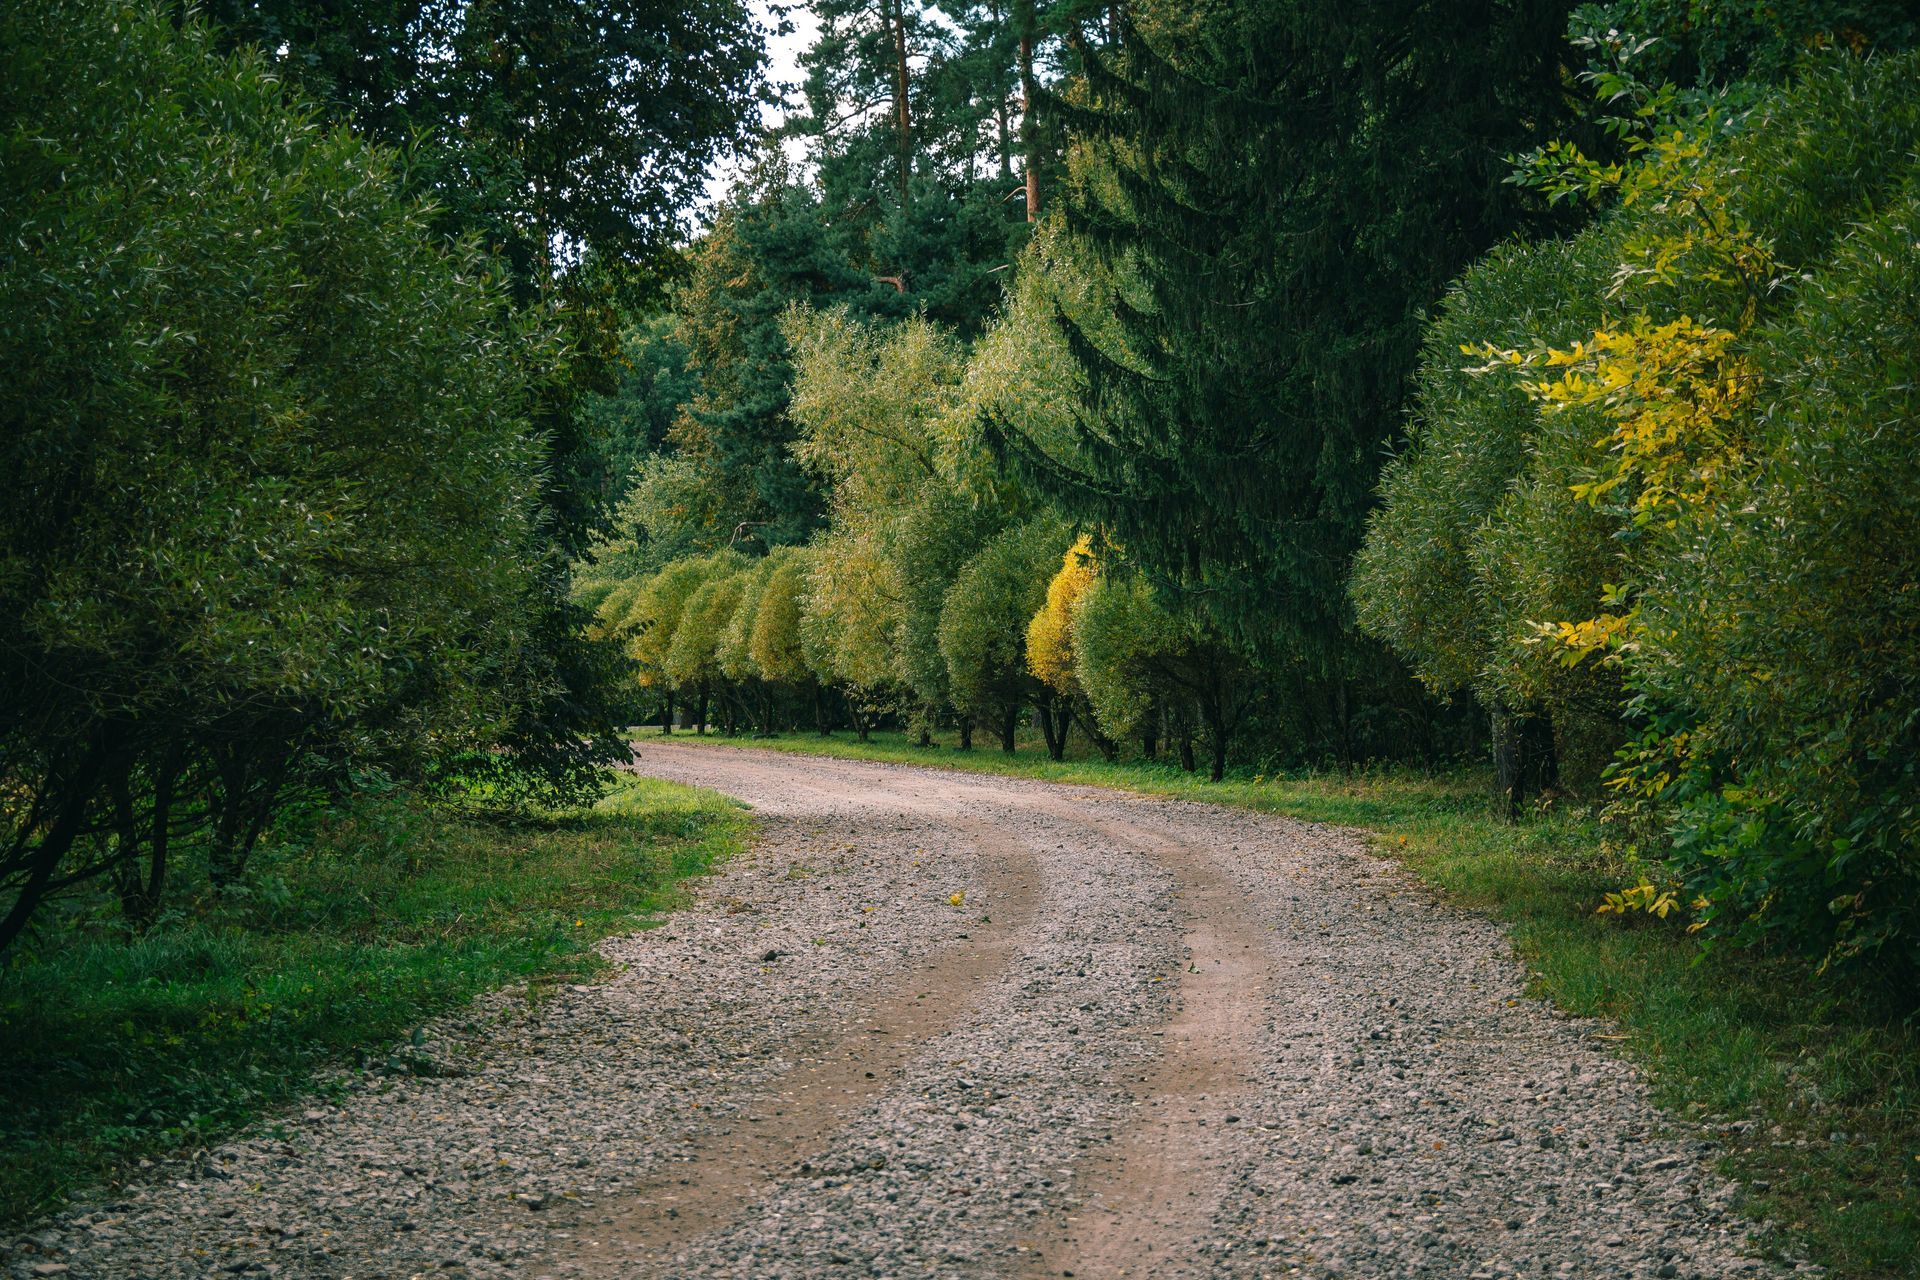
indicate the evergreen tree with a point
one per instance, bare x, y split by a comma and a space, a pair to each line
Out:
1281, 191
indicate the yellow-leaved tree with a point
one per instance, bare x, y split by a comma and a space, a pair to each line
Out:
1050, 652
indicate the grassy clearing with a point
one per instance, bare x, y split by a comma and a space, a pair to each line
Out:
355, 927
1815, 1096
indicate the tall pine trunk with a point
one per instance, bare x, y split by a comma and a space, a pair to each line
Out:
902, 120
1029, 133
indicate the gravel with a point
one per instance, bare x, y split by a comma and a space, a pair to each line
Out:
951, 1025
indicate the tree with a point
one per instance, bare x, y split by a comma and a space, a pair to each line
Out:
1141, 662
692, 662
777, 643
272, 477
1276, 192
1050, 652
983, 624
653, 618
735, 650
554, 130
1629, 460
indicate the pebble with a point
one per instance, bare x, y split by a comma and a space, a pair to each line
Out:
1398, 1057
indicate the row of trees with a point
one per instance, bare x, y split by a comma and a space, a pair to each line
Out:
293, 473
1252, 245
941, 591
1662, 493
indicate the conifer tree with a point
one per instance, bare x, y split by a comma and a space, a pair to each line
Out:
1281, 191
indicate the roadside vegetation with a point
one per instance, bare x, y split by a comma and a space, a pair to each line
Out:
1261, 387
1812, 1096
360, 922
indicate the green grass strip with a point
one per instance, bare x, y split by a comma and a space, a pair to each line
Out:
353, 929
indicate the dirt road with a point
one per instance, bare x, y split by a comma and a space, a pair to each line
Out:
949, 1025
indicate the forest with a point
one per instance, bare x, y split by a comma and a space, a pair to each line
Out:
403, 419
1297, 388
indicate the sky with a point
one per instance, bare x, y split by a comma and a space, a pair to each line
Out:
783, 66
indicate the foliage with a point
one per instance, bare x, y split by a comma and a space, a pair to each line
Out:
1715, 42
273, 481
1784, 622
1050, 632
1635, 432
776, 645
1123, 641
983, 622
693, 659
549, 129
1249, 177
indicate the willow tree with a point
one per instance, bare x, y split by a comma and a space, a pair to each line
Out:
270, 473
983, 624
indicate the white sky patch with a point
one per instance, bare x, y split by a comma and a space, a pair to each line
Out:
783, 67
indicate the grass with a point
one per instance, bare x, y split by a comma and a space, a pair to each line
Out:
1812, 1089
355, 927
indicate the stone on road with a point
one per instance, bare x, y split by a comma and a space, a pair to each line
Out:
953, 1025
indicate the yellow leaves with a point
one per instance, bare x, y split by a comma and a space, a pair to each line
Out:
1644, 897
1606, 635
957, 899
1050, 633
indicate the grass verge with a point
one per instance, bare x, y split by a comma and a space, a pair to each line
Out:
1812, 1089
355, 926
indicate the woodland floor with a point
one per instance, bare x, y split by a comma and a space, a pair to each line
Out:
940, 1024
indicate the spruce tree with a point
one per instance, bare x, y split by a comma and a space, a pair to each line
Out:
1281, 191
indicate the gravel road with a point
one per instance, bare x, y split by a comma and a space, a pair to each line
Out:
949, 1025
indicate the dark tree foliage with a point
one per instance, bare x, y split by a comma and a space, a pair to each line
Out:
271, 483
1282, 189
917, 203
1717, 42
654, 378
570, 137
553, 128
764, 254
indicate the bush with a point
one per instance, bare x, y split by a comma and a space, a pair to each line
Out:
1787, 625
270, 478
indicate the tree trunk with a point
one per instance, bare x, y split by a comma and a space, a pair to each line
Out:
1150, 744
821, 721
903, 124
140, 895
666, 714
1523, 760
1009, 727
1029, 134
700, 712
1056, 740
249, 783
966, 733
53, 846
1343, 718
1081, 713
